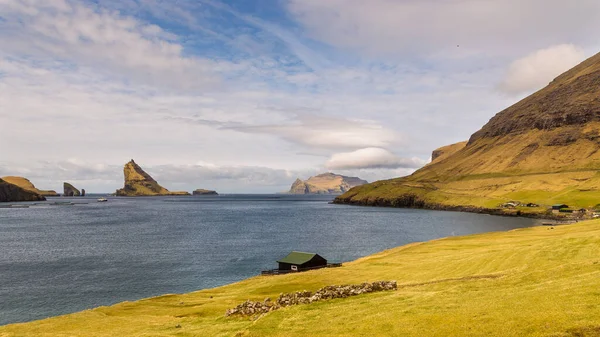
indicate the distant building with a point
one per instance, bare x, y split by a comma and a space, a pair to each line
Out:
298, 261
559, 206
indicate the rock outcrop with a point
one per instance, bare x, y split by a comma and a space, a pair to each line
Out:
139, 183
299, 187
24, 183
202, 191
544, 150
326, 183
70, 190
446, 151
10, 193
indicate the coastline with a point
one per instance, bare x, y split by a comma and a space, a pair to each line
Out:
258, 277
512, 269
450, 208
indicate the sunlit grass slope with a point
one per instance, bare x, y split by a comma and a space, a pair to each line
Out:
529, 282
544, 149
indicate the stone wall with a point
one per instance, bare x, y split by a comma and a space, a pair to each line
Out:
250, 308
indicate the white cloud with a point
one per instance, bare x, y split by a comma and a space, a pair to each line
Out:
433, 26
537, 69
74, 35
107, 81
371, 158
328, 132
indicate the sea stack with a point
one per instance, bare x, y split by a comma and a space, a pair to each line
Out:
201, 191
326, 183
139, 183
70, 190
10, 192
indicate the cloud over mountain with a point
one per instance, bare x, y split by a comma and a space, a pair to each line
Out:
371, 158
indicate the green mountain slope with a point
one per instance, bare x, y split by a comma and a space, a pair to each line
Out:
544, 150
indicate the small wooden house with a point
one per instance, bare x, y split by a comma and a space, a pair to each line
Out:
559, 206
297, 261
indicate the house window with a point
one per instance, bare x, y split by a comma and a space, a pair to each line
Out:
295, 268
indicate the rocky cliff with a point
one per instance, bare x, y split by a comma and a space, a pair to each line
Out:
446, 151
10, 193
201, 191
70, 190
28, 185
544, 149
140, 183
326, 183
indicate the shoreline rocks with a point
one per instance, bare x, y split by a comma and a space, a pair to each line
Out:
413, 201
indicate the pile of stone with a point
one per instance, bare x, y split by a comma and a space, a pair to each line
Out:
250, 308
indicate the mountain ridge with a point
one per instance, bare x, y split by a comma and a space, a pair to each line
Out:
543, 149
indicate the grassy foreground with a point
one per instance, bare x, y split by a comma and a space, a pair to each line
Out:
526, 282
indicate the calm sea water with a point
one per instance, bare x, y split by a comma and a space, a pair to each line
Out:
60, 259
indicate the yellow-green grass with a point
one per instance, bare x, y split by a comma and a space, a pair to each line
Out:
491, 171
527, 282
577, 188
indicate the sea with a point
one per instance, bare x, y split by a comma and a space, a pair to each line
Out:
70, 254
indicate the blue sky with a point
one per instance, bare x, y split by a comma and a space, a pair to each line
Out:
245, 96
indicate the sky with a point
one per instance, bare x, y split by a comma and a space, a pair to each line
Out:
247, 96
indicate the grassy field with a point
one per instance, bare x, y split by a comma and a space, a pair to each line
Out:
538, 281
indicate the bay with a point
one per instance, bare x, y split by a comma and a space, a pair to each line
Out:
58, 259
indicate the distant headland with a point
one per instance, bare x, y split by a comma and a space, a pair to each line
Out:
326, 183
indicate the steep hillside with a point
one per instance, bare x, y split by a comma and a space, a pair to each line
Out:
544, 150
446, 151
10, 192
140, 183
326, 183
28, 185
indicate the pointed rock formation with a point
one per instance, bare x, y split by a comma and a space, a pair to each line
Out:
299, 187
10, 192
326, 183
27, 185
70, 190
140, 183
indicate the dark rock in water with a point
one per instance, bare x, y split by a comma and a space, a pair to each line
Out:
83, 192
10, 192
70, 190
201, 191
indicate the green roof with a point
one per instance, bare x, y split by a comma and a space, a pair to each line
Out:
297, 257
